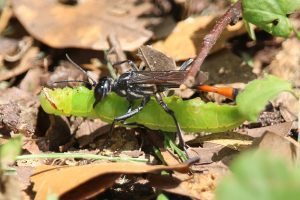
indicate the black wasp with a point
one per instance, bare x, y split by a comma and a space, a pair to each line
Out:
136, 84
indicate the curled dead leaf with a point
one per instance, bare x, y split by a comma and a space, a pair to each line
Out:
84, 25
185, 40
199, 186
282, 129
233, 140
285, 147
18, 112
28, 61
97, 177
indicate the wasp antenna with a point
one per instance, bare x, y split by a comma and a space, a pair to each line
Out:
82, 70
71, 81
130, 62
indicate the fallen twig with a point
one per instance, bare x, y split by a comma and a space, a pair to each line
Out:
230, 17
119, 55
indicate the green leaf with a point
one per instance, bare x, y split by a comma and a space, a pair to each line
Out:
162, 196
250, 29
52, 196
169, 143
9, 151
257, 94
271, 15
260, 176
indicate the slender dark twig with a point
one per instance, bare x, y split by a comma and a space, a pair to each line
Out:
118, 54
230, 17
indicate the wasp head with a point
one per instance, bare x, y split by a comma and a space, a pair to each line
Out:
102, 88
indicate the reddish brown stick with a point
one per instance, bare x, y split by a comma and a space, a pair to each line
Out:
231, 16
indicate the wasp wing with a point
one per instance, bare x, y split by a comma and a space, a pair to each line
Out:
162, 78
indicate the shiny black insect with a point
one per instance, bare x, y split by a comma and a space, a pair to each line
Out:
141, 85
137, 84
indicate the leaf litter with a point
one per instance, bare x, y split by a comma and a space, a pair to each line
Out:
87, 25
49, 177
42, 133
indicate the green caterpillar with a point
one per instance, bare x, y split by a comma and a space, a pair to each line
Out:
193, 115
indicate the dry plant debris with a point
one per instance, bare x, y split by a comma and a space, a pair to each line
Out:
18, 112
183, 42
35, 36
95, 180
86, 24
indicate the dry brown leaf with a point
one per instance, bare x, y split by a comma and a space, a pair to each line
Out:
24, 173
85, 25
286, 65
288, 106
226, 67
96, 177
24, 45
65, 71
134, 154
32, 80
27, 61
155, 60
169, 157
285, 147
121, 139
32, 146
211, 154
18, 111
89, 130
199, 186
185, 40
10, 187
233, 140
287, 61
219, 168
282, 129
58, 132
8, 45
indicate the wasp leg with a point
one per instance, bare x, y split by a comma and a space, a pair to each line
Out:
186, 64
112, 126
130, 113
134, 125
171, 113
130, 62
